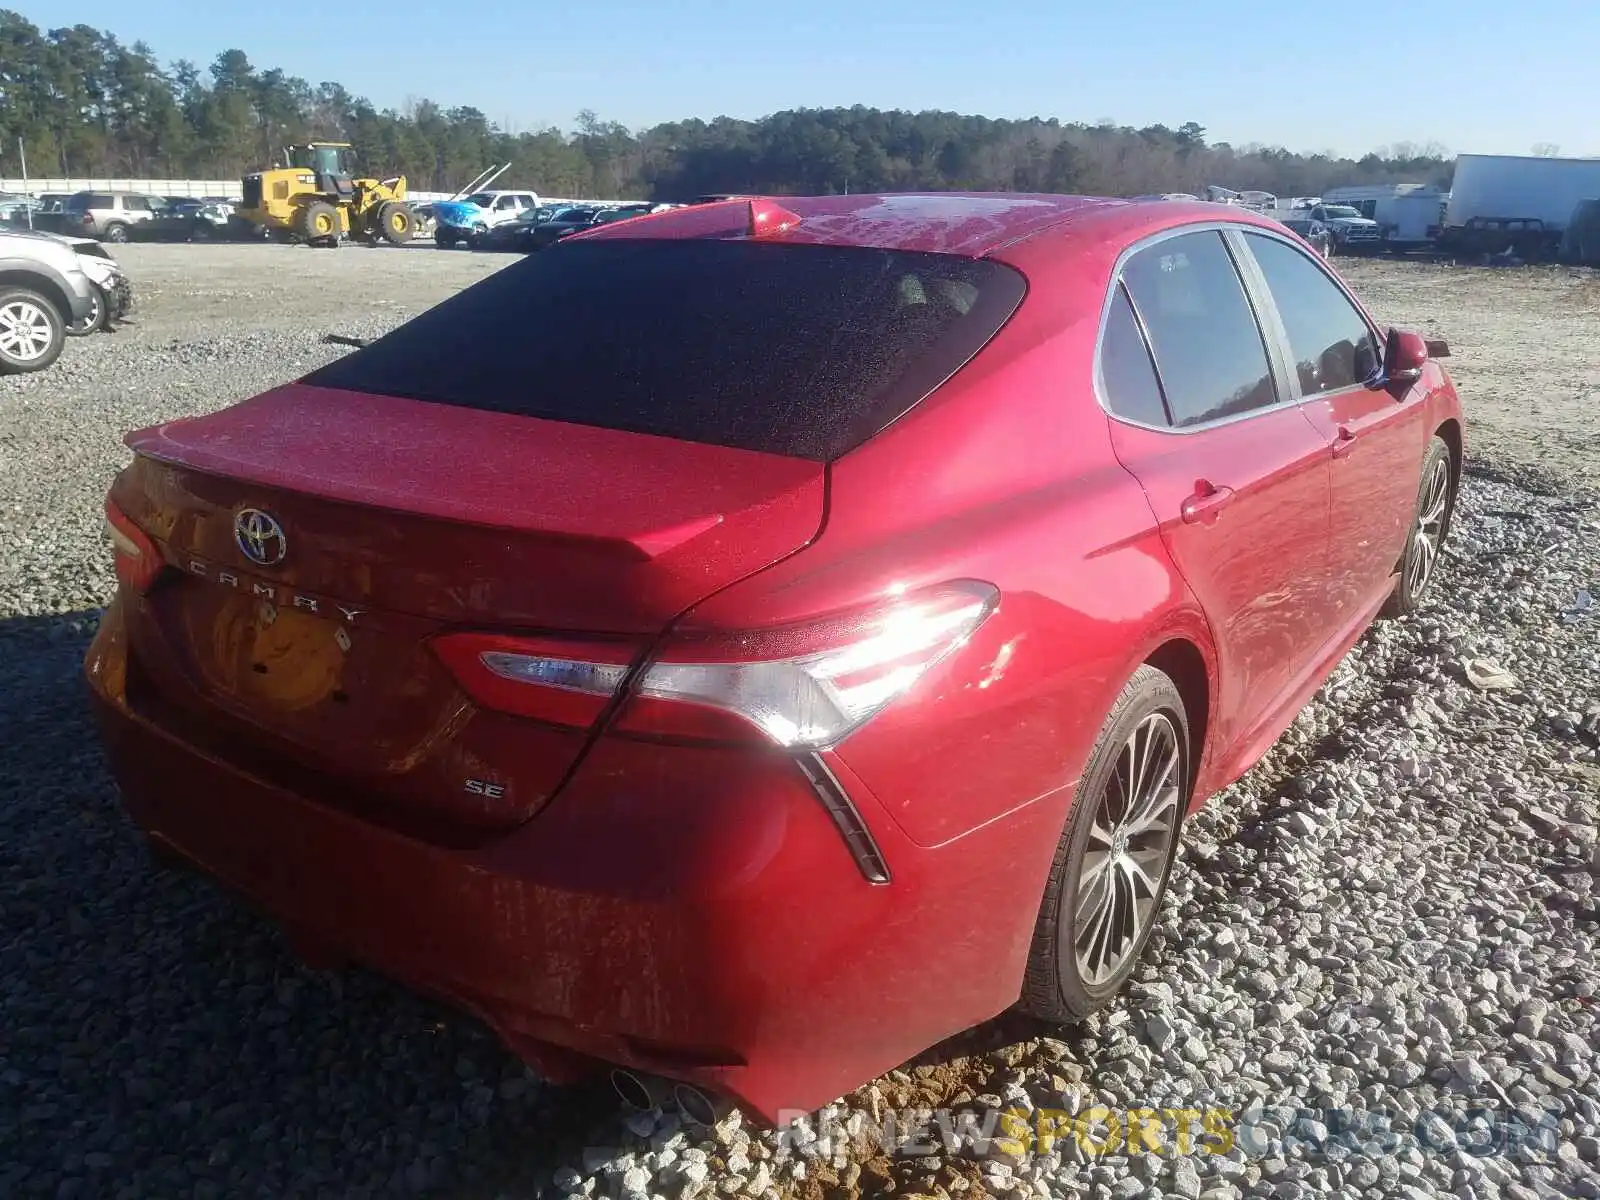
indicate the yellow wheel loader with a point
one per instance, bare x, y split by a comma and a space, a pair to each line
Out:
315, 198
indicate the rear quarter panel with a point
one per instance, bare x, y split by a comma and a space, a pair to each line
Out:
1007, 475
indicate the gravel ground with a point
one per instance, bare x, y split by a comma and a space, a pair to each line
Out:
1523, 350
1391, 915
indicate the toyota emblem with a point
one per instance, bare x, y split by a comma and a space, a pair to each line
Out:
259, 536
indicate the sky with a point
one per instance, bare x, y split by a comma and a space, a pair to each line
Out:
1478, 76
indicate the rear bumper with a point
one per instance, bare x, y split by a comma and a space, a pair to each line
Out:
689, 912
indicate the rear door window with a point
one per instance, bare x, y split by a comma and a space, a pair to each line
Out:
796, 350
1127, 376
1332, 346
1203, 332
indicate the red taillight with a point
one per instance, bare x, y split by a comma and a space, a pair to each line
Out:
549, 679
806, 686
137, 560
800, 686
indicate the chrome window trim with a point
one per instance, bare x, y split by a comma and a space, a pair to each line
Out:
1272, 344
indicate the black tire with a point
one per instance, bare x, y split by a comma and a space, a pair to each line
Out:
318, 223
1056, 987
1429, 528
116, 232
444, 240
396, 224
95, 321
34, 350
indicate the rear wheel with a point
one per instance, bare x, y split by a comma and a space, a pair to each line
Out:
395, 223
116, 232
1110, 872
31, 331
1430, 525
318, 222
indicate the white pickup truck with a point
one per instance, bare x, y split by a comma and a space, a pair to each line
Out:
1351, 232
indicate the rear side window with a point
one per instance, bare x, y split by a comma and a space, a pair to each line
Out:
84, 201
1127, 376
1203, 332
804, 351
1333, 347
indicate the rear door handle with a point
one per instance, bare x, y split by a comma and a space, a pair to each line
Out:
1344, 442
1206, 505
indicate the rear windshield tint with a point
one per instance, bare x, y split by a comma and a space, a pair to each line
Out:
804, 351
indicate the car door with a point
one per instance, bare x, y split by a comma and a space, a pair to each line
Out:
1237, 477
1376, 435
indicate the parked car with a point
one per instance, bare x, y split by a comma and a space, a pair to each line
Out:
466, 220
112, 298
748, 644
51, 287
188, 220
536, 229
15, 210
562, 223
1314, 232
107, 216
1349, 232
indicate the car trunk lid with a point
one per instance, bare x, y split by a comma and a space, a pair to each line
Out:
386, 522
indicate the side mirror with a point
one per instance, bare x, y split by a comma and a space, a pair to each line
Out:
1404, 355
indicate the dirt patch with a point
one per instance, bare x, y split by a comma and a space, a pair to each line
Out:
1524, 351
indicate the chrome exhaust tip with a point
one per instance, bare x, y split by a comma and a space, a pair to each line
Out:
638, 1091
700, 1106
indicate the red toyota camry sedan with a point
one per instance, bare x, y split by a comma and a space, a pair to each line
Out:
744, 645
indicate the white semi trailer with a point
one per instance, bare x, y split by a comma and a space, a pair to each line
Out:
1521, 203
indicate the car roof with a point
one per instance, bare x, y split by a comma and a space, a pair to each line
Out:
970, 224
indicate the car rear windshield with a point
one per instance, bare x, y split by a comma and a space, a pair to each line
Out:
804, 351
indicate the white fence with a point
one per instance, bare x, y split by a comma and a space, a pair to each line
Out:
37, 185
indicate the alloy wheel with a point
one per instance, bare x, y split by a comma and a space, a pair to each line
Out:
1429, 533
25, 333
91, 322
1126, 854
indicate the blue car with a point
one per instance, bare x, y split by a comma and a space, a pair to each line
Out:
466, 219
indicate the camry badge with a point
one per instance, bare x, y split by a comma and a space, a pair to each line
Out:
259, 537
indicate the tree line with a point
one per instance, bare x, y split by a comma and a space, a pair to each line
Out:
83, 103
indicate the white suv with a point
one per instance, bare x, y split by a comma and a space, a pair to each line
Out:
50, 288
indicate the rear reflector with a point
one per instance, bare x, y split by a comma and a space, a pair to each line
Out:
134, 555
806, 687
550, 679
